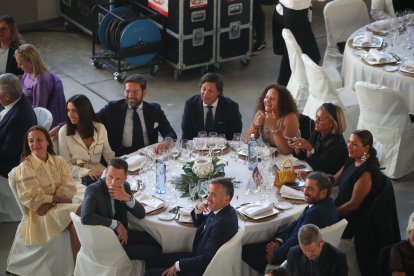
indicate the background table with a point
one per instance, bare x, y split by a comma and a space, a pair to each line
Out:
354, 69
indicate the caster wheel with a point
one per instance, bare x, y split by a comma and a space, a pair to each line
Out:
120, 77
177, 74
245, 61
97, 63
154, 70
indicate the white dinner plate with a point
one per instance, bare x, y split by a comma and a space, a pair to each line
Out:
284, 206
166, 216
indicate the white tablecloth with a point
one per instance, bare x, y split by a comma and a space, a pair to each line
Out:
175, 237
354, 69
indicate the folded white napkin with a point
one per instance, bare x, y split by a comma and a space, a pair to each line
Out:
255, 210
288, 192
409, 64
380, 57
380, 25
185, 211
367, 39
135, 162
150, 201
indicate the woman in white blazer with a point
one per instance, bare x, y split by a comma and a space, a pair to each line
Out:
83, 141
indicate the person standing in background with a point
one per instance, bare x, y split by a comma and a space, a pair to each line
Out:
10, 39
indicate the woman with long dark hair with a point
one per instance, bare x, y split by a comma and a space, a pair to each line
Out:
83, 141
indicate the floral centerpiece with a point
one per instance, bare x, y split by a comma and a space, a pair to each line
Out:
188, 176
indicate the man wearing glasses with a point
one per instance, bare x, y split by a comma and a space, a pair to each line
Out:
133, 123
321, 211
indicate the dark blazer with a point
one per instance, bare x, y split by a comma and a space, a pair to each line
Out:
113, 118
11, 65
97, 209
13, 128
213, 231
321, 214
331, 262
227, 118
330, 152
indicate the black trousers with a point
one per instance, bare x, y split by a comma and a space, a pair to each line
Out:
141, 246
258, 20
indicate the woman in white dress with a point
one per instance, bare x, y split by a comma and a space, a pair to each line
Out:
45, 188
83, 141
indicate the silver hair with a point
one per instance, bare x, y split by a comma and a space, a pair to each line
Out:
10, 84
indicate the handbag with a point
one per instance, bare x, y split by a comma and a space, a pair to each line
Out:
285, 175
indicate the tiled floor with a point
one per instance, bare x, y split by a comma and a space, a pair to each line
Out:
68, 53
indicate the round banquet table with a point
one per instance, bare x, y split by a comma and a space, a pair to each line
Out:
175, 237
354, 69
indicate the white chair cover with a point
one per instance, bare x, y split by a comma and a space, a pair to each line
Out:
333, 233
342, 18
101, 252
54, 258
44, 117
227, 260
9, 210
321, 90
298, 83
385, 113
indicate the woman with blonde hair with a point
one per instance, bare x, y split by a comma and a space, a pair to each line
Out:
10, 39
326, 148
41, 87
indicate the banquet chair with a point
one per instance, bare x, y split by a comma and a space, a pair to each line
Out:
342, 18
101, 252
321, 90
333, 233
227, 260
9, 210
53, 258
44, 117
385, 113
298, 83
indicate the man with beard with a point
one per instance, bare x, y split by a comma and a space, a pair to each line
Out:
321, 211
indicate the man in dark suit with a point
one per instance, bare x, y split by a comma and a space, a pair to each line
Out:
211, 111
321, 211
117, 116
314, 257
214, 230
107, 202
16, 117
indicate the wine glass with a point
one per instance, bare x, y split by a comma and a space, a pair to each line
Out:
236, 144
212, 134
211, 145
202, 133
221, 142
193, 189
202, 188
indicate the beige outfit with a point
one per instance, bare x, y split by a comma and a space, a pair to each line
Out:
80, 158
36, 183
270, 125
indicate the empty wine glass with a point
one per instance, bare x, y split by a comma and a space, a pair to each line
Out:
236, 144
221, 143
212, 134
193, 189
202, 188
202, 133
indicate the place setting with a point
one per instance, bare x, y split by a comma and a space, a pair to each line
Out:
257, 212
152, 205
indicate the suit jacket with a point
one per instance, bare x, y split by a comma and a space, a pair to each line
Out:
330, 262
227, 118
113, 117
11, 65
321, 214
213, 231
13, 128
97, 208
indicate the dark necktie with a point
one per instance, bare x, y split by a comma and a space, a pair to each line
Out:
209, 119
312, 268
137, 138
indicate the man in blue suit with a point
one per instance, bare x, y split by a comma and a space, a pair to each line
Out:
313, 256
107, 203
16, 117
211, 111
321, 211
214, 230
117, 116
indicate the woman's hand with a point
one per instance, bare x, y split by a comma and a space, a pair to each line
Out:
95, 174
44, 208
259, 119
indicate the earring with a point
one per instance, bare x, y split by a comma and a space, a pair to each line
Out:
364, 157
